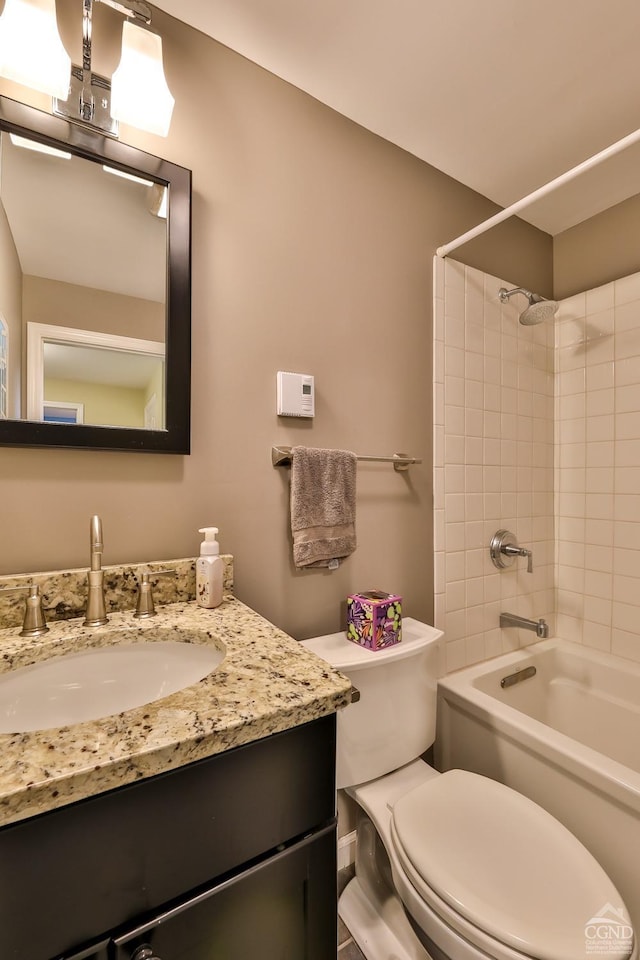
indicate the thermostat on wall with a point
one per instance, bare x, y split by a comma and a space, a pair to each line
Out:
295, 395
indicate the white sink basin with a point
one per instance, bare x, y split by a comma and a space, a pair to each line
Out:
101, 681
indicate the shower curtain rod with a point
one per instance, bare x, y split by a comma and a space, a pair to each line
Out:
515, 208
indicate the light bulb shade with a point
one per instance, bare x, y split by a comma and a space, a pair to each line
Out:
31, 51
139, 92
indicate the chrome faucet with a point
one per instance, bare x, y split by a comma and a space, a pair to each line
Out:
504, 548
540, 626
96, 615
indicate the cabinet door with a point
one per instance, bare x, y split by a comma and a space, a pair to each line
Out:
96, 865
96, 952
284, 907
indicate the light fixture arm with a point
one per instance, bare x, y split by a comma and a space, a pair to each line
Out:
86, 104
137, 92
89, 99
87, 10
135, 9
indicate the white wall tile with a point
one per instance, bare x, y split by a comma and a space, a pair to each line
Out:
627, 316
499, 427
611, 538
600, 298
561, 456
627, 371
628, 288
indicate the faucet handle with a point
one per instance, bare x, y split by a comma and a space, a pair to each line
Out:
34, 623
145, 606
504, 548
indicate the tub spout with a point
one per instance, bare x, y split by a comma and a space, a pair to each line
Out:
541, 627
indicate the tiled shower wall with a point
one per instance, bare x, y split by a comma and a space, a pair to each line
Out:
493, 456
598, 467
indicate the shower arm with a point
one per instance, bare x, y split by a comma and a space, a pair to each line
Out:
504, 294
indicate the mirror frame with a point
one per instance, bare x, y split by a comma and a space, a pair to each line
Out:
18, 118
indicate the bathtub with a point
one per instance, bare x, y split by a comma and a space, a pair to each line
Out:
568, 737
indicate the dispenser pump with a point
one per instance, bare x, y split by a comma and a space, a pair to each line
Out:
209, 546
209, 570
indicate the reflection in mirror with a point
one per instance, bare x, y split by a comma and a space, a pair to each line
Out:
94, 290
91, 253
77, 376
4, 368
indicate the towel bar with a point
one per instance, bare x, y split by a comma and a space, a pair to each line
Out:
281, 457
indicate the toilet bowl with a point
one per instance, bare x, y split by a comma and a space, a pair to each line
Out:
453, 866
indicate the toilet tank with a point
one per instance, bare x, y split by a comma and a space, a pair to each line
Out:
394, 721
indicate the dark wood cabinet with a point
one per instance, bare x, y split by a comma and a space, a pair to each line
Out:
239, 848
98, 951
266, 911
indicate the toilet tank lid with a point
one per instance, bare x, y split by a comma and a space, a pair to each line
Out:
344, 654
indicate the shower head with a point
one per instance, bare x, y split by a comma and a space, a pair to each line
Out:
538, 311
539, 308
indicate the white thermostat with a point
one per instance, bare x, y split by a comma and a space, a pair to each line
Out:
295, 395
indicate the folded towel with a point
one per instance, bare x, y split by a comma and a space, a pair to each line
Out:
323, 506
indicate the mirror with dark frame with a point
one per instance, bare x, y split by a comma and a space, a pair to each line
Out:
95, 289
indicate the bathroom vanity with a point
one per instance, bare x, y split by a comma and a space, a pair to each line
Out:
201, 825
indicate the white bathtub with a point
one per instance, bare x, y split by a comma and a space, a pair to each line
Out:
568, 738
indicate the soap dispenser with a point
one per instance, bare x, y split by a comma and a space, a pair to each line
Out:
209, 570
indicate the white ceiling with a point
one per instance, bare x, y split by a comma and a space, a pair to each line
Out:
503, 95
116, 368
72, 221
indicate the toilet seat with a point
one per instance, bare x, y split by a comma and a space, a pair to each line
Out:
498, 869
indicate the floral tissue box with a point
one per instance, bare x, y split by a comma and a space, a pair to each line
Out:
374, 619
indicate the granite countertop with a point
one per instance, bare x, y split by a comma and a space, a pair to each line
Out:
267, 683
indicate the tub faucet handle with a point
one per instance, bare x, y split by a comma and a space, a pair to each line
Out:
504, 548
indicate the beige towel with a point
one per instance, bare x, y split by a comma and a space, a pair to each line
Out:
323, 506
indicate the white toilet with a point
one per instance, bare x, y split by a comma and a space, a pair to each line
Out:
477, 871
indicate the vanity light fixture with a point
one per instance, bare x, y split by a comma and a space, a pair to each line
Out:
139, 92
28, 144
157, 193
127, 176
31, 52
158, 199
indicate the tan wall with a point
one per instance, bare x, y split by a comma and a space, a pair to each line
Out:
11, 308
601, 249
83, 308
312, 247
512, 249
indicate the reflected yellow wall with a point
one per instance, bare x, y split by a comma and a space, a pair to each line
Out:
11, 308
156, 386
103, 406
